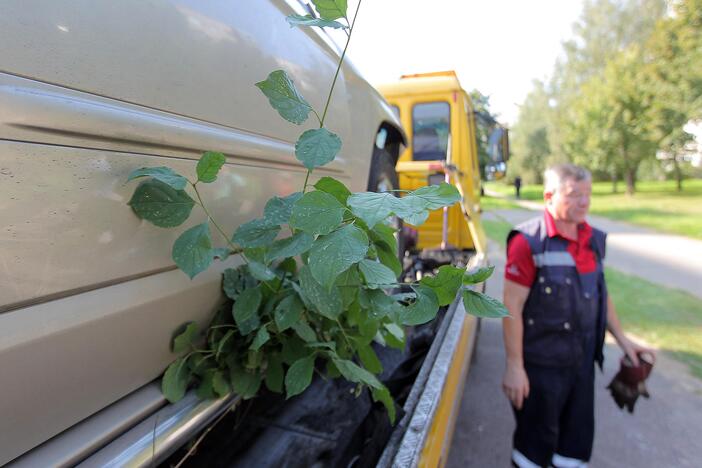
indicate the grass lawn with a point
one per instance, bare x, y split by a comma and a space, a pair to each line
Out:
666, 318
656, 204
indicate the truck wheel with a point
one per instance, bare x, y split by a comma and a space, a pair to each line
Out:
383, 178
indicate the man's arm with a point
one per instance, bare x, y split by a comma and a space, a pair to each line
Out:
515, 382
629, 347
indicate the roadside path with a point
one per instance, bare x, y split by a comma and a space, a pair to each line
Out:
666, 259
662, 432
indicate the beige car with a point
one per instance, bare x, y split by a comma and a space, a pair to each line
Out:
89, 296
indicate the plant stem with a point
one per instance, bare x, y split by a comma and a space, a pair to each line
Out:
235, 249
338, 68
307, 177
343, 332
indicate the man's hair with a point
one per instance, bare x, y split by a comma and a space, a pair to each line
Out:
556, 174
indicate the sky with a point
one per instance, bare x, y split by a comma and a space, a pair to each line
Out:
496, 46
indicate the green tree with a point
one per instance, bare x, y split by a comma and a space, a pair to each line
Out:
604, 30
611, 124
674, 76
484, 124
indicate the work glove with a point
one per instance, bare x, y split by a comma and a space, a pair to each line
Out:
629, 383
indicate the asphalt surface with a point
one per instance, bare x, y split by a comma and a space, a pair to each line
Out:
663, 431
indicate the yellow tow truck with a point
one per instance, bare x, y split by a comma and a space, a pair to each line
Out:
438, 116
439, 119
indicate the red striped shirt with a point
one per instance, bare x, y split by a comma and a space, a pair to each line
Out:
520, 266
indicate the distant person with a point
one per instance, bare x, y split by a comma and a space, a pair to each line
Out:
518, 185
556, 294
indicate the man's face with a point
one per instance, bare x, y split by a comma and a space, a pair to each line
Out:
571, 201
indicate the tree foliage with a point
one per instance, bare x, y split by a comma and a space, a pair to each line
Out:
627, 83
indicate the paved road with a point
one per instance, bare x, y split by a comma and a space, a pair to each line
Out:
666, 259
663, 432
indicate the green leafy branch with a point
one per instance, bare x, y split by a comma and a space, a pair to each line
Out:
316, 299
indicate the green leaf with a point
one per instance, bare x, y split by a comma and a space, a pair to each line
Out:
192, 251
245, 384
317, 147
351, 371
331, 9
256, 233
245, 310
317, 213
327, 302
389, 258
383, 395
445, 284
369, 359
198, 364
284, 97
299, 376
372, 207
309, 20
478, 276
482, 305
205, 390
293, 349
161, 204
235, 280
262, 338
220, 384
333, 254
349, 283
175, 380
384, 235
299, 243
376, 274
333, 187
378, 303
415, 219
221, 253
260, 271
279, 209
287, 312
393, 335
162, 174
209, 165
183, 341
304, 331
396, 332
257, 254
287, 266
275, 374
423, 309
435, 196
225, 343
414, 207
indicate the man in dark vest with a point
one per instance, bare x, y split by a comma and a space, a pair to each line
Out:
557, 297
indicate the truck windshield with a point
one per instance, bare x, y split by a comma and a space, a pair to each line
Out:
430, 131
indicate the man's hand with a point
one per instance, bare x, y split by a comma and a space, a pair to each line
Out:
633, 349
515, 384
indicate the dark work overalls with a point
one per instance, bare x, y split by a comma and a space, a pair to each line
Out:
564, 325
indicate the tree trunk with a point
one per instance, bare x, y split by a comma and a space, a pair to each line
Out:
678, 173
614, 181
630, 178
